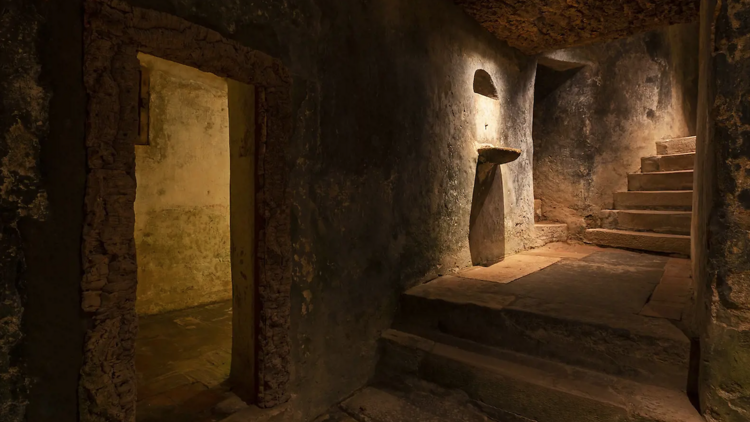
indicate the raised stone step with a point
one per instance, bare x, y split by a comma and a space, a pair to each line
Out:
676, 146
579, 313
668, 162
654, 200
530, 390
545, 233
642, 241
666, 180
412, 401
672, 222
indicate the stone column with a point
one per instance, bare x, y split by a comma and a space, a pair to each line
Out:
721, 231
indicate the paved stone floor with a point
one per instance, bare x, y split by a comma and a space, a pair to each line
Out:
629, 282
183, 357
182, 360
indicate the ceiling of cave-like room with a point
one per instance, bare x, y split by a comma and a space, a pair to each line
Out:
534, 26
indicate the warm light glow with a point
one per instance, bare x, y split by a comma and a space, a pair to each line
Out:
488, 114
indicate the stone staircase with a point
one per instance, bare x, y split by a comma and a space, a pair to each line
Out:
655, 213
558, 345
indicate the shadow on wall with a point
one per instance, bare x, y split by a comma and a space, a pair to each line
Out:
487, 222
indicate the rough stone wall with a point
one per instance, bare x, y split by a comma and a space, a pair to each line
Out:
23, 105
41, 178
383, 158
382, 163
534, 26
182, 204
593, 124
115, 33
721, 221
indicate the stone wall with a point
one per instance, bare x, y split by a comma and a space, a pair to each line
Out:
42, 108
382, 166
592, 124
383, 161
534, 26
182, 203
721, 211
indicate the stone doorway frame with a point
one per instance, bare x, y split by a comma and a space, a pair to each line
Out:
114, 34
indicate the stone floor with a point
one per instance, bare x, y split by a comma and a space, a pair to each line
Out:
581, 275
182, 360
560, 333
183, 357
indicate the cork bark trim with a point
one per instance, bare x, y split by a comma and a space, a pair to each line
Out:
115, 32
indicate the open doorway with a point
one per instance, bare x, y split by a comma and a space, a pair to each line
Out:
260, 126
195, 241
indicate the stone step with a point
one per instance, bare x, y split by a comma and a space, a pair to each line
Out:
531, 389
654, 200
671, 222
676, 146
412, 400
665, 180
545, 233
668, 162
455, 309
642, 241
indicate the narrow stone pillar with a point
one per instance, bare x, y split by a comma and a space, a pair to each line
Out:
721, 224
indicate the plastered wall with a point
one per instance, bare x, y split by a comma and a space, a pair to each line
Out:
182, 202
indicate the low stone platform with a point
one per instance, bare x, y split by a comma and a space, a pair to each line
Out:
560, 333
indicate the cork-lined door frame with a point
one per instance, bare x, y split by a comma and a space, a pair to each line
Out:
114, 34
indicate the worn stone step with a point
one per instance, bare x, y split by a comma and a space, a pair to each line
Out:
668, 162
621, 343
676, 146
545, 233
672, 222
654, 200
533, 390
642, 241
665, 180
411, 401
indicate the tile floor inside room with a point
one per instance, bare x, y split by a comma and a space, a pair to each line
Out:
183, 360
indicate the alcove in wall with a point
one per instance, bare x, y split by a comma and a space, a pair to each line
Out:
487, 220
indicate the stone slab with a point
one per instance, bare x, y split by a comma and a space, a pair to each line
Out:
460, 290
546, 233
668, 162
654, 200
672, 222
663, 310
510, 269
380, 405
563, 250
673, 294
540, 390
676, 146
653, 242
661, 181
581, 312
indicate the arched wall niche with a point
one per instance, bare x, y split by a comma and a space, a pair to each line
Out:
484, 85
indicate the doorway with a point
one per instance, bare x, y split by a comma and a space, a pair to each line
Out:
260, 362
195, 241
